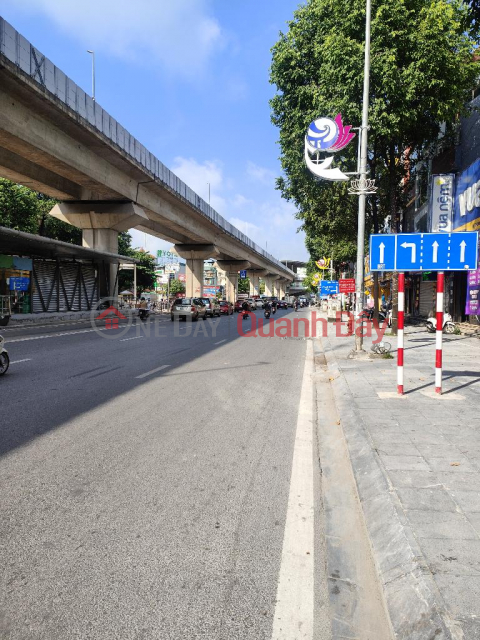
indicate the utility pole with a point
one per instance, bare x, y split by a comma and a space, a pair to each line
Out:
93, 72
362, 197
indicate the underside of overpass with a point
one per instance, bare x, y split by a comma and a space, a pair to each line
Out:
57, 140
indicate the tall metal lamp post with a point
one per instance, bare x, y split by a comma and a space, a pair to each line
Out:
92, 53
327, 135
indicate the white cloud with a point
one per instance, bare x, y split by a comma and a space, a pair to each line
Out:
180, 35
260, 174
198, 175
248, 228
240, 201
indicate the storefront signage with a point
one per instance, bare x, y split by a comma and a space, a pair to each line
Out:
441, 203
473, 293
467, 199
19, 284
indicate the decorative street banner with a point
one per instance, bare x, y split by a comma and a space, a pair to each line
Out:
473, 293
328, 287
441, 203
346, 285
325, 135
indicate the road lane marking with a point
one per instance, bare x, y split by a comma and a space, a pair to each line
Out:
150, 373
221, 341
18, 361
53, 335
134, 338
294, 608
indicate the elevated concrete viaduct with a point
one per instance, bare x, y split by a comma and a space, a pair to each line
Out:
54, 138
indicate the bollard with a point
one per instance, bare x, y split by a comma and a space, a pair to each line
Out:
400, 333
439, 332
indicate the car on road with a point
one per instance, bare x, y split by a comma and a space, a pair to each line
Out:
238, 305
252, 303
226, 307
188, 308
282, 304
212, 306
258, 303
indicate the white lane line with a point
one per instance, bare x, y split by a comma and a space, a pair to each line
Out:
53, 335
221, 341
295, 591
134, 338
18, 361
149, 373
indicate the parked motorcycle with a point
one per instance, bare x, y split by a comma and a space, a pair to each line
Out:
4, 359
448, 324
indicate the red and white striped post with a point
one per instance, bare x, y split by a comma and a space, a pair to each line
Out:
439, 332
400, 333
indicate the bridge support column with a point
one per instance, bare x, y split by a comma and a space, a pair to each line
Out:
101, 222
231, 285
255, 275
268, 286
231, 268
195, 255
194, 278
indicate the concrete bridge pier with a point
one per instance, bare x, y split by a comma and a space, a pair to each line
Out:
231, 268
254, 276
195, 255
101, 222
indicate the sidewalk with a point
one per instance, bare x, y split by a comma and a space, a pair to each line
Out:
416, 461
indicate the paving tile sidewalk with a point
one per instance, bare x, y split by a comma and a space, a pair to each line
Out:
427, 449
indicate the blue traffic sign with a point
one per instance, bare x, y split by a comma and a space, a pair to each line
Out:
328, 287
424, 251
243, 273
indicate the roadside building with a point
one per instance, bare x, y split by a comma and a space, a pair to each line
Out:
41, 275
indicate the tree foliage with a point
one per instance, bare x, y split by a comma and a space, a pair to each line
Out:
422, 71
26, 210
243, 285
145, 269
177, 286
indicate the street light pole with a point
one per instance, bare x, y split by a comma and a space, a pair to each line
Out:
363, 178
92, 53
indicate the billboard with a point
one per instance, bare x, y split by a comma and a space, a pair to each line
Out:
441, 203
466, 216
211, 291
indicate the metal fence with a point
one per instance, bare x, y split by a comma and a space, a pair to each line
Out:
18, 50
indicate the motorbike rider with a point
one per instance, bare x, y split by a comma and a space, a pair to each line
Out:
245, 309
295, 304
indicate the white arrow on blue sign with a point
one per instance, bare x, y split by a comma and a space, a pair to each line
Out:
424, 251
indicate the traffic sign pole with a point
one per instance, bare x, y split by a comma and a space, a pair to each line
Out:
439, 332
400, 331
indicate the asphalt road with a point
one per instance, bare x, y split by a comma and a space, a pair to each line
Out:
145, 480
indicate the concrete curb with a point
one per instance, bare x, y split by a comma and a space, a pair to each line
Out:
415, 606
19, 320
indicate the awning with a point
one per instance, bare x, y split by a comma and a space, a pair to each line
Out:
19, 243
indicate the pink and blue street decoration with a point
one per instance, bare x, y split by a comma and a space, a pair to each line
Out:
325, 134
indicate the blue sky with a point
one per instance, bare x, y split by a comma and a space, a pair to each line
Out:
189, 79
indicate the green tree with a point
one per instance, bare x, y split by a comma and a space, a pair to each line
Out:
423, 68
176, 286
243, 285
27, 210
18, 207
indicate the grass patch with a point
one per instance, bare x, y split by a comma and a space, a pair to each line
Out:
387, 356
